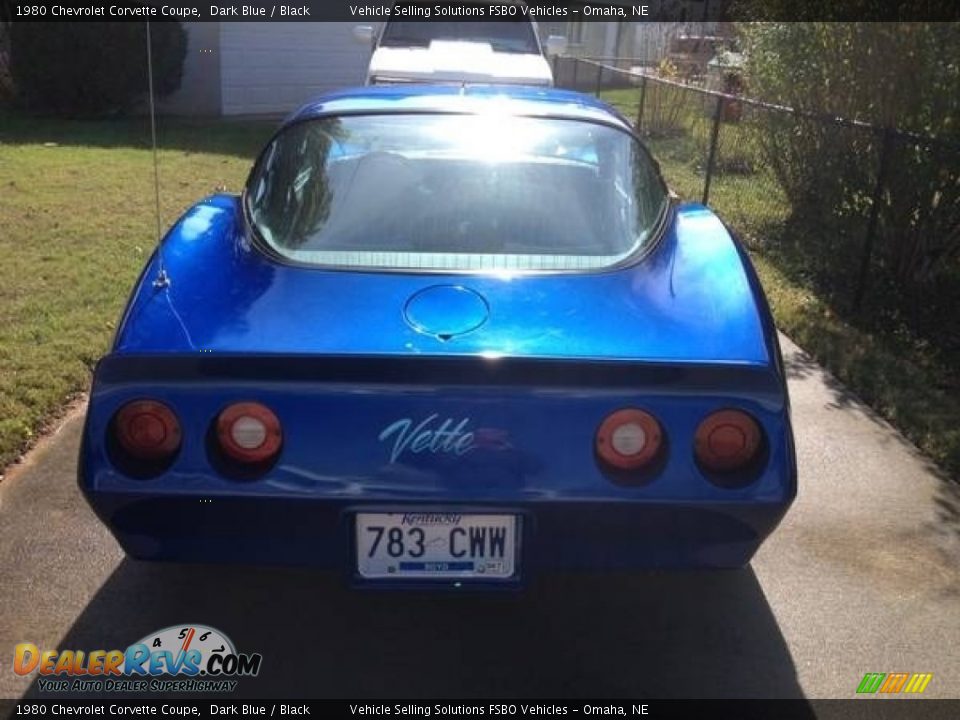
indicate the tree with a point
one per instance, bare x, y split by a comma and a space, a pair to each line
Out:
93, 68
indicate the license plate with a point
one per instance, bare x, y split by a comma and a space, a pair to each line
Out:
436, 545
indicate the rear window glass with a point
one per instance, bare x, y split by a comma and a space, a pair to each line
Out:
481, 192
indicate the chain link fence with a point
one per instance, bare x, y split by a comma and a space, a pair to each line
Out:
868, 215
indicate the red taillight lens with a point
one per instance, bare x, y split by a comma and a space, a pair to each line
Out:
147, 430
727, 441
249, 432
629, 439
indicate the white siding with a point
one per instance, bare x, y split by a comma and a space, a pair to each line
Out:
199, 91
276, 67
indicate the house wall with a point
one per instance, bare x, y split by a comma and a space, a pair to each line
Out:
236, 68
275, 67
199, 92
644, 42
239, 68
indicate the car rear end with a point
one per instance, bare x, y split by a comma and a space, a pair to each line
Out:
465, 470
445, 339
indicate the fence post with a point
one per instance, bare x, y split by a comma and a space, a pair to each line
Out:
870, 238
556, 69
599, 79
712, 158
643, 97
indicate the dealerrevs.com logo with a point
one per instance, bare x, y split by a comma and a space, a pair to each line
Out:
180, 658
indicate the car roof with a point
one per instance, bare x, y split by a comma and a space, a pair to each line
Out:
466, 98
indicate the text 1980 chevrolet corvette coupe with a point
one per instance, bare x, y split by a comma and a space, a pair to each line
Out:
450, 336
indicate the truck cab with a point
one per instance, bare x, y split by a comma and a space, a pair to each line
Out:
489, 52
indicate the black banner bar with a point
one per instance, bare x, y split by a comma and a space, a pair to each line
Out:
360, 11
873, 708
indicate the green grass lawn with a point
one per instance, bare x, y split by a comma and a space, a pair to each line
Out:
78, 222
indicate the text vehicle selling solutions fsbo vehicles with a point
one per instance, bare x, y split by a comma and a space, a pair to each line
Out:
446, 336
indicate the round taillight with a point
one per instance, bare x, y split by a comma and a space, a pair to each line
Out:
249, 433
629, 439
147, 430
727, 441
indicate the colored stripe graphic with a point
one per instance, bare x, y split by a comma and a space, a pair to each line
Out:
918, 682
871, 682
894, 682
891, 683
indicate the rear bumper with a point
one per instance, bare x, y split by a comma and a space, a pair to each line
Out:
554, 535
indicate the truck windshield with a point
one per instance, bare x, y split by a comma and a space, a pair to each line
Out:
472, 192
504, 36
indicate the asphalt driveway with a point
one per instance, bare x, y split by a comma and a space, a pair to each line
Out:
863, 576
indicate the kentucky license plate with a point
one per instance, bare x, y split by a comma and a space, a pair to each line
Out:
431, 545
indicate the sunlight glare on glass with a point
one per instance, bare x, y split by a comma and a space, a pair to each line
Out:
493, 136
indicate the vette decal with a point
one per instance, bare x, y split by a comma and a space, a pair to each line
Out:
449, 436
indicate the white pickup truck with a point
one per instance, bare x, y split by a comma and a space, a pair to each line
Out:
443, 52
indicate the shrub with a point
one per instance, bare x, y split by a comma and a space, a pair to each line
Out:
666, 108
891, 75
93, 68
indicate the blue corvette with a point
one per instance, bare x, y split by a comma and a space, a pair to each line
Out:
448, 336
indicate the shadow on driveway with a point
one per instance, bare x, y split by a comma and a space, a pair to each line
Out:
706, 634
801, 366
